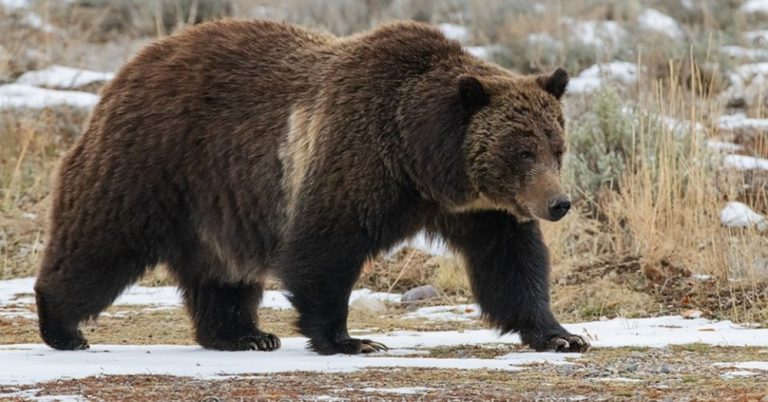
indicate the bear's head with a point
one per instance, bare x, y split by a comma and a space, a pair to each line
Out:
515, 142
488, 140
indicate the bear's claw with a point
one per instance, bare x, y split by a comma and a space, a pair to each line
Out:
569, 343
369, 346
264, 341
349, 346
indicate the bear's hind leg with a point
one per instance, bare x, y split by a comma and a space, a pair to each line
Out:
71, 289
225, 316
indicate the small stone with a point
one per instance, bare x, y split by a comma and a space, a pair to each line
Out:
667, 369
371, 304
631, 367
419, 293
691, 314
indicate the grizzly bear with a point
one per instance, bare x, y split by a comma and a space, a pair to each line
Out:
238, 150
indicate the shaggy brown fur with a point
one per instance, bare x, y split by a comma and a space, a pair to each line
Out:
238, 149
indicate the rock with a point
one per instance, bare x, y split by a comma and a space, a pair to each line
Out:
691, 314
369, 304
419, 293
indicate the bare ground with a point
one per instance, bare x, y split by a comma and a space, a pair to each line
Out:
683, 373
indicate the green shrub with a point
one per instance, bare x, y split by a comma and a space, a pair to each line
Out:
599, 144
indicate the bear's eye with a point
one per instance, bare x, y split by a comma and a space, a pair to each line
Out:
526, 155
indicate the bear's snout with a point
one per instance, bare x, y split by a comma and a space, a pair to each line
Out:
559, 206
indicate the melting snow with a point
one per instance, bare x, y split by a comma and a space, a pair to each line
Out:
742, 162
740, 120
20, 292
656, 21
542, 39
27, 96
757, 37
736, 214
461, 312
723, 146
597, 33
35, 21
483, 52
62, 77
11, 5
35, 363
755, 6
455, 32
592, 78
32, 395
755, 365
744, 52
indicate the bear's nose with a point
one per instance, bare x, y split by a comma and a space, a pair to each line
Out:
559, 206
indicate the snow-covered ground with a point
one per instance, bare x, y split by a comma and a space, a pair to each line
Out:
755, 7
19, 292
594, 77
737, 214
62, 77
34, 363
656, 21
32, 97
48, 88
600, 34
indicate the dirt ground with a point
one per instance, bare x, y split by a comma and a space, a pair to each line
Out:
674, 373
681, 373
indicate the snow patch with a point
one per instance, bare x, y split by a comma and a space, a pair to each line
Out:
461, 312
484, 52
747, 82
656, 21
741, 121
594, 77
737, 374
11, 5
454, 31
62, 77
751, 365
38, 363
20, 292
742, 162
35, 21
27, 96
35, 363
759, 38
723, 146
740, 52
755, 6
739, 215
32, 395
542, 39
603, 34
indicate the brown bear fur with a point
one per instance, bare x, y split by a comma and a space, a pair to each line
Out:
239, 149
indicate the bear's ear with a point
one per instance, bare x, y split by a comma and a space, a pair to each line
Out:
555, 83
473, 95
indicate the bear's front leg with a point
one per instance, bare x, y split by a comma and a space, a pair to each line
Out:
508, 265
